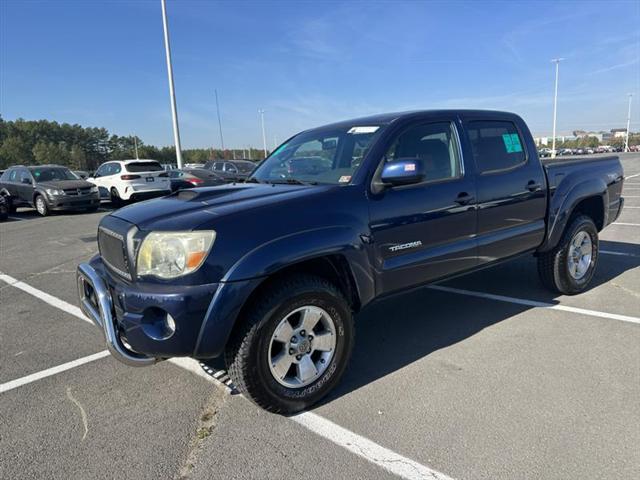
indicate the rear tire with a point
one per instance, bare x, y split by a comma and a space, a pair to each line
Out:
569, 268
315, 367
41, 205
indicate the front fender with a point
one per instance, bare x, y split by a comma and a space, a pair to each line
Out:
564, 201
250, 270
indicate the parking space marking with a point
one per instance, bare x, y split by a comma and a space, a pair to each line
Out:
627, 224
536, 304
354, 443
372, 452
621, 254
45, 297
18, 382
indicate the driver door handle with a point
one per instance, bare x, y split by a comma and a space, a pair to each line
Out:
464, 198
533, 186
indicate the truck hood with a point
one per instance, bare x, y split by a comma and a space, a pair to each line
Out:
188, 209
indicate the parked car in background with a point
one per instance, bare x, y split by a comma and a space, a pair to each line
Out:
122, 180
47, 188
231, 170
565, 151
194, 177
193, 165
169, 166
544, 152
82, 174
5, 204
270, 273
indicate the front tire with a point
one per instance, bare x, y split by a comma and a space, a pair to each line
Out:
116, 201
41, 205
569, 268
293, 345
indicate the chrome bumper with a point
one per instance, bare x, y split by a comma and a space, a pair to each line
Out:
95, 303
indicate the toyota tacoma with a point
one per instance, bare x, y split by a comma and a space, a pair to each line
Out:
269, 273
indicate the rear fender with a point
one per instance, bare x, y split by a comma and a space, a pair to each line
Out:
563, 203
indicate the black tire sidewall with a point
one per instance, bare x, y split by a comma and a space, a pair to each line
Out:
297, 399
581, 223
45, 211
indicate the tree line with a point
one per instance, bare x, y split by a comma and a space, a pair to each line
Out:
38, 142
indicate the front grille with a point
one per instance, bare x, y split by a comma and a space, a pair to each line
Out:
77, 191
113, 252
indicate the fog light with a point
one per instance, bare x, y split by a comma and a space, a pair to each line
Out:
158, 324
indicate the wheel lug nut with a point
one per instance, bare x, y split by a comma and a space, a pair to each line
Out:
298, 357
294, 340
303, 333
291, 351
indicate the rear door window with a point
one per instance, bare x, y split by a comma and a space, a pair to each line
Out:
218, 166
496, 145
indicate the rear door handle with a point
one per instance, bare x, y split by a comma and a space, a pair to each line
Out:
533, 186
464, 198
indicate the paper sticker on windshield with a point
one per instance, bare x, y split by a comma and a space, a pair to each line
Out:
362, 129
345, 179
512, 142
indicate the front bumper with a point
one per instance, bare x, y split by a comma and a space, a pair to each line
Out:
134, 318
74, 203
95, 303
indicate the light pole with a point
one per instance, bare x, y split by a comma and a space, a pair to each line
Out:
626, 142
219, 121
555, 107
264, 136
172, 93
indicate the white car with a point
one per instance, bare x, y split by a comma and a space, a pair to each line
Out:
121, 180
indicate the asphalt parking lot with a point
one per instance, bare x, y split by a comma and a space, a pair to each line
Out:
488, 376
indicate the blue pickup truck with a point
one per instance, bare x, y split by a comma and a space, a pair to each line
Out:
269, 273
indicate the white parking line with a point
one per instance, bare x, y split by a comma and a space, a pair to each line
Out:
363, 447
536, 304
621, 254
628, 206
627, 224
632, 176
45, 297
392, 462
5, 387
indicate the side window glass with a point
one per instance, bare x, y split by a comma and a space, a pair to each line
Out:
14, 176
103, 170
24, 175
496, 145
230, 168
218, 166
115, 168
435, 144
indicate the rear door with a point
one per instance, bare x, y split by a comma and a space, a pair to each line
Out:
425, 231
511, 185
24, 186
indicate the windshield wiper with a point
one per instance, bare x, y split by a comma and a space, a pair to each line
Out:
253, 180
292, 181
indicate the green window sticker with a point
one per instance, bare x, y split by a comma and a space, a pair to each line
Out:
512, 142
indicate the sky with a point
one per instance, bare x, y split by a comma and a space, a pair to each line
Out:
102, 63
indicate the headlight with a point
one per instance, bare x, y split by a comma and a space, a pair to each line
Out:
174, 254
94, 189
54, 191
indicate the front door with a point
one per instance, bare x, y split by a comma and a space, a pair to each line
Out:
425, 231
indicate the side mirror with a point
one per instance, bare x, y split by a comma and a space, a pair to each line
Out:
404, 171
26, 181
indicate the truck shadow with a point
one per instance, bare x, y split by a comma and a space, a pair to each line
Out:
395, 332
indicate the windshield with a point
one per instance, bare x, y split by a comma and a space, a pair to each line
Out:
329, 156
49, 174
